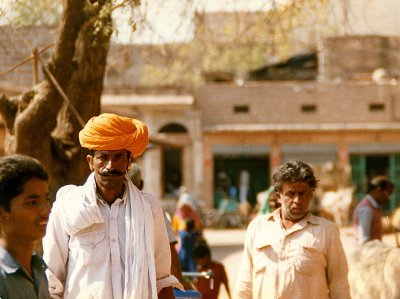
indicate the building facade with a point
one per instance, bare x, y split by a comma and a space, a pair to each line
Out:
205, 139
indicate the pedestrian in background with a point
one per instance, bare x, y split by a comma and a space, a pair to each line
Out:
292, 253
204, 261
185, 210
367, 215
24, 211
267, 201
187, 241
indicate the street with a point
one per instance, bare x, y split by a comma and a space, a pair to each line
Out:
227, 244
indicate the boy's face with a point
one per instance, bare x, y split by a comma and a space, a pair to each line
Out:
29, 211
203, 262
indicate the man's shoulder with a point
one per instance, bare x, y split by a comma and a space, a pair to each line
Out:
67, 190
153, 200
318, 220
325, 226
364, 205
266, 219
65, 195
149, 196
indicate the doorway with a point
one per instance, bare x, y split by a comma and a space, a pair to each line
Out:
172, 171
227, 172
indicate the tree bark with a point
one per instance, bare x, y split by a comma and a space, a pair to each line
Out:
40, 123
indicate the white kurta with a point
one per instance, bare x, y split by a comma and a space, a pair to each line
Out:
88, 261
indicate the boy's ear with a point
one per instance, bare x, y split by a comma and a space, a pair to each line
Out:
3, 214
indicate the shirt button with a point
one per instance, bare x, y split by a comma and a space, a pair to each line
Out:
113, 240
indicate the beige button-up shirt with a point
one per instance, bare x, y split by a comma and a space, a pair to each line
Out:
306, 261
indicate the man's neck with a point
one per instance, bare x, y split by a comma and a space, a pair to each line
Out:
287, 224
110, 195
22, 252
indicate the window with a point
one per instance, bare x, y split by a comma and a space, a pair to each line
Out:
375, 107
308, 108
173, 128
241, 109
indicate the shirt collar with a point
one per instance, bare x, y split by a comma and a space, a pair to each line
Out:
8, 262
38, 262
276, 217
266, 239
11, 265
372, 201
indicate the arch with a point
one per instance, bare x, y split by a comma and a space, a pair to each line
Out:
173, 128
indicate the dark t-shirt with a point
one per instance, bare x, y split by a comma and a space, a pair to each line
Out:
16, 283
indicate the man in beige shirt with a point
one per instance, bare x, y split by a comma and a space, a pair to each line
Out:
290, 253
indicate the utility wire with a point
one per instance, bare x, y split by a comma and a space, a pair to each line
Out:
52, 79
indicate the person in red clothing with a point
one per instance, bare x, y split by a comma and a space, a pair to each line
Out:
202, 255
367, 216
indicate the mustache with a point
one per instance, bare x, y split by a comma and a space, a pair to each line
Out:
111, 173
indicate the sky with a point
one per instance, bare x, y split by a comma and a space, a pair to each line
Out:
169, 20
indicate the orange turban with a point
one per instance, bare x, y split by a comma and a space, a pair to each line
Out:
113, 132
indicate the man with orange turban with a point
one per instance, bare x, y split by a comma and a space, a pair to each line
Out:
107, 239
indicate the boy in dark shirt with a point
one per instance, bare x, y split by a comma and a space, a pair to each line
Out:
24, 211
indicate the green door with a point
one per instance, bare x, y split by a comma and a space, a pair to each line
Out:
359, 174
258, 168
395, 177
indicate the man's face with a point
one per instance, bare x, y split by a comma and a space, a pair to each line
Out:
295, 199
110, 167
29, 211
383, 195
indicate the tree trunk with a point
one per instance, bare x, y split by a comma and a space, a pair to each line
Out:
40, 123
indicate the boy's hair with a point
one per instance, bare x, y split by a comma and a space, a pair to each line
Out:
15, 171
201, 251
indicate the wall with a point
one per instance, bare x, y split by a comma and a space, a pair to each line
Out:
357, 57
277, 104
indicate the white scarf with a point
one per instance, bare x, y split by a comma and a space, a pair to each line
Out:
140, 272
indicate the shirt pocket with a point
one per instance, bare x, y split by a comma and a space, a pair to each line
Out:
86, 247
265, 263
308, 259
265, 260
90, 239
